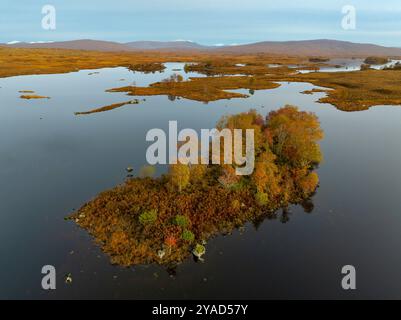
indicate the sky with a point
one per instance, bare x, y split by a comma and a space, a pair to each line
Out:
210, 22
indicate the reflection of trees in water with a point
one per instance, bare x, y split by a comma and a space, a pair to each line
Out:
308, 205
172, 270
284, 214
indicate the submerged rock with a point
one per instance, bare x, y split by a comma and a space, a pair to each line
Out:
68, 278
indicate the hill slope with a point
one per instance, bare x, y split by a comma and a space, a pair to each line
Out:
314, 48
162, 45
301, 48
84, 44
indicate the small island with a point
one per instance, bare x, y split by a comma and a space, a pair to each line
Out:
318, 59
147, 67
33, 96
30, 94
164, 220
376, 60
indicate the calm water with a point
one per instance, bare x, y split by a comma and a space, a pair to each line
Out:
52, 161
348, 65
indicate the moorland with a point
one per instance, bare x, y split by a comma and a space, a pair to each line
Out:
348, 91
164, 219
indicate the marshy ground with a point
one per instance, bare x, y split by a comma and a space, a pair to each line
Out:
60, 161
351, 91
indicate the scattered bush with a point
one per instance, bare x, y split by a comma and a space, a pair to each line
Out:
262, 198
199, 250
170, 241
148, 217
188, 236
181, 220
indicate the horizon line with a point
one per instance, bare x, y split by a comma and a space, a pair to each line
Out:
217, 45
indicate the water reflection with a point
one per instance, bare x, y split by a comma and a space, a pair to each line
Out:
52, 161
349, 65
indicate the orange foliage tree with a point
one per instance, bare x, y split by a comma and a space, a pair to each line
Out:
293, 136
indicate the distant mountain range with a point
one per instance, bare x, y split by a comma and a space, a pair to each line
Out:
75, 44
99, 45
163, 45
300, 48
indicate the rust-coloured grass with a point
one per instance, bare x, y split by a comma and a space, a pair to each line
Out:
352, 91
202, 89
33, 96
357, 90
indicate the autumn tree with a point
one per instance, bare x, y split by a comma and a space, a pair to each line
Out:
179, 175
197, 172
293, 136
266, 177
307, 182
243, 121
228, 178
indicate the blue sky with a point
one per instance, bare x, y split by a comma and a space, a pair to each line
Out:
204, 21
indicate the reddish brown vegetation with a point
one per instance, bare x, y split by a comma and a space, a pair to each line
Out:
161, 220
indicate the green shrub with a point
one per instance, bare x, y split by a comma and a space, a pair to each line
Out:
199, 250
262, 198
181, 220
148, 217
240, 185
188, 236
